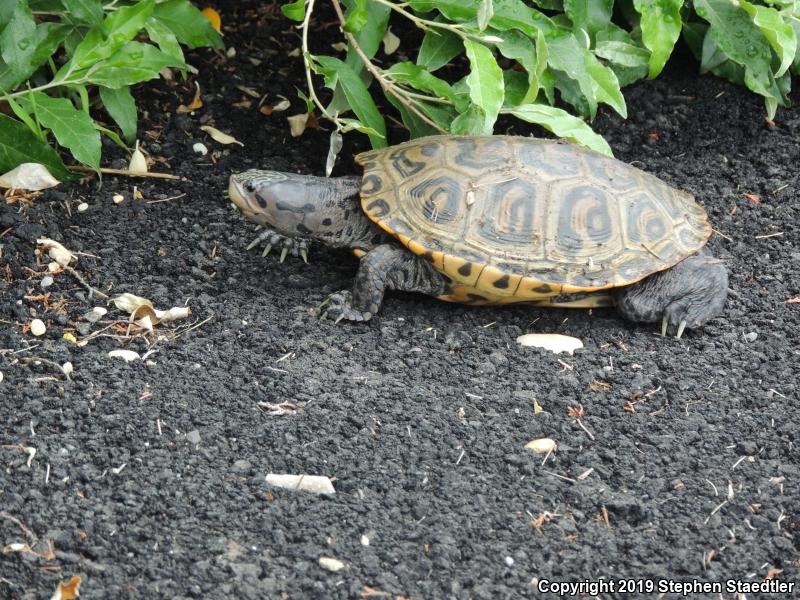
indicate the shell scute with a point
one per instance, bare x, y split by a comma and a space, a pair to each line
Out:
518, 217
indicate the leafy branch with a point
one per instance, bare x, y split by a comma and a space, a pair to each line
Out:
59, 58
522, 59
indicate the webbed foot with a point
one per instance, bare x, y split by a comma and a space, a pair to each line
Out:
339, 306
287, 245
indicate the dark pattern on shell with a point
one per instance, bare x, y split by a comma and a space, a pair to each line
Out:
378, 208
371, 184
403, 164
645, 220
441, 198
509, 216
556, 160
490, 153
553, 213
614, 174
583, 220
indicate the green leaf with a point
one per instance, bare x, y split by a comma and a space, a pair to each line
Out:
370, 36
589, 15
485, 82
121, 106
606, 85
485, 12
356, 93
166, 40
112, 135
419, 78
296, 11
133, 63
72, 127
661, 26
356, 16
455, 10
121, 27
622, 53
566, 54
518, 46
563, 125
779, 34
625, 75
49, 36
734, 33
87, 11
471, 122
188, 24
19, 145
416, 126
26, 118
18, 40
515, 14
438, 48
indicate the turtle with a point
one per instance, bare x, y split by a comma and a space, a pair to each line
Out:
494, 220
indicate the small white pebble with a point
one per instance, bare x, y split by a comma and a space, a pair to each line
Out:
541, 445
200, 148
37, 327
53, 267
46, 282
364, 540
100, 311
1, 376
83, 207
509, 561
118, 198
231, 52
67, 368
330, 564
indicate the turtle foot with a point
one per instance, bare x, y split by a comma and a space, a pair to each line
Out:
338, 307
286, 245
685, 296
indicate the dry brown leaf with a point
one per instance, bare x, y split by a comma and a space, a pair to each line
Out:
219, 136
67, 591
298, 124
390, 42
213, 16
753, 198
194, 104
28, 176
541, 445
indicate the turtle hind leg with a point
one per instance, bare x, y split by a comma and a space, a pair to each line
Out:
686, 295
386, 266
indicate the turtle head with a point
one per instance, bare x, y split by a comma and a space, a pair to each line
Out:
303, 206
285, 202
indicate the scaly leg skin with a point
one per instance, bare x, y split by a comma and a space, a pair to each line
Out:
687, 295
288, 245
385, 267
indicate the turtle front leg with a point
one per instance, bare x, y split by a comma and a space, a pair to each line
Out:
288, 245
386, 266
686, 295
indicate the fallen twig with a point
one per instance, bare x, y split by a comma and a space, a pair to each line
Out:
126, 173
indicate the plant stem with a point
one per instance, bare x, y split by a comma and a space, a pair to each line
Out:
426, 24
388, 87
311, 92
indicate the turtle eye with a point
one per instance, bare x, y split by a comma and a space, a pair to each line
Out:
249, 187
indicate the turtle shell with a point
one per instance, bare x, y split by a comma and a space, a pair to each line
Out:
520, 219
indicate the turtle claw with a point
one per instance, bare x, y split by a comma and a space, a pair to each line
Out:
288, 245
664, 324
338, 307
681, 327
